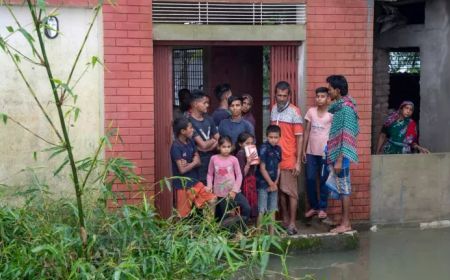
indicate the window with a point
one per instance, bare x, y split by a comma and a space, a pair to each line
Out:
404, 61
187, 70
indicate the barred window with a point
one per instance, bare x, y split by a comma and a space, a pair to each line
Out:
404, 62
187, 70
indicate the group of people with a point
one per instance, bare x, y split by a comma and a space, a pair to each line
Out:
213, 161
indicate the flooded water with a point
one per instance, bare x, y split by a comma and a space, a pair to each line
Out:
389, 254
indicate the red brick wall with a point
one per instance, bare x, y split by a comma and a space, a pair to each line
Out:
339, 41
129, 96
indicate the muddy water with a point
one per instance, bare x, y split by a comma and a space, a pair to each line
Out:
389, 254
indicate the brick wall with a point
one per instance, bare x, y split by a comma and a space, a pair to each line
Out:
129, 97
340, 41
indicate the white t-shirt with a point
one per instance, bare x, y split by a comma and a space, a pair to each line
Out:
320, 128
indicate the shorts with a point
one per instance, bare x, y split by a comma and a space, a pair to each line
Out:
196, 195
288, 183
267, 201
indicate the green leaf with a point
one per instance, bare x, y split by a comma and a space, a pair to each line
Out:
4, 117
2, 44
35, 155
65, 162
17, 57
27, 35
10, 29
42, 5
77, 112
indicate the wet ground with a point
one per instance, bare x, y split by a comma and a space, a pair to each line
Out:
389, 254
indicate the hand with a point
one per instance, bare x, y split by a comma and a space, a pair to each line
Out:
183, 162
423, 150
208, 189
252, 157
196, 161
297, 170
338, 166
232, 194
273, 187
304, 157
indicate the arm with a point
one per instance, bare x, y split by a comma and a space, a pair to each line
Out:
306, 140
421, 149
298, 165
381, 141
204, 145
184, 168
266, 176
210, 176
244, 164
238, 176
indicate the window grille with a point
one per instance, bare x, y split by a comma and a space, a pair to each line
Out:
404, 62
187, 70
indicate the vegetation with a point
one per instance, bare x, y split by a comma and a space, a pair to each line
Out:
80, 238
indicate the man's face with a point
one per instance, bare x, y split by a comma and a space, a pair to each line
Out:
282, 96
334, 93
202, 104
236, 108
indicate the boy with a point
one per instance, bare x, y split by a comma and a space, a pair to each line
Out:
236, 124
341, 145
318, 123
205, 131
222, 92
268, 174
185, 163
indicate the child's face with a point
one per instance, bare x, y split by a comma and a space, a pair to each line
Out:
321, 99
273, 138
225, 148
201, 105
188, 132
407, 111
247, 142
236, 108
246, 105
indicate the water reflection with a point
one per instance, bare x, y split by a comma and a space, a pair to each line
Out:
390, 254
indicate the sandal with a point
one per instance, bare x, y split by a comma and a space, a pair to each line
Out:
322, 214
341, 229
291, 230
310, 213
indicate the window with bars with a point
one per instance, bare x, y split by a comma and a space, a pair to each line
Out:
404, 61
187, 70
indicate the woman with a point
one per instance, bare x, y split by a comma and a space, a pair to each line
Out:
399, 133
247, 103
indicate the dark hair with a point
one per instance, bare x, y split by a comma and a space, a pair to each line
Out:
220, 90
338, 82
321, 90
180, 124
225, 138
273, 129
244, 136
195, 95
248, 97
233, 98
184, 96
283, 85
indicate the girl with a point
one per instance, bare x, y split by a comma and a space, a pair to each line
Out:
248, 172
225, 179
400, 131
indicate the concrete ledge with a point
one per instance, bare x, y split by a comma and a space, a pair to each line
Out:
199, 32
321, 242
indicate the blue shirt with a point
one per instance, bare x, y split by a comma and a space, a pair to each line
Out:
220, 114
178, 151
233, 128
271, 156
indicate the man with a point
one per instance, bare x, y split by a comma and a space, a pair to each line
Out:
288, 117
341, 145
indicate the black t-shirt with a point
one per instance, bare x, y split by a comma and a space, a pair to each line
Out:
205, 128
178, 151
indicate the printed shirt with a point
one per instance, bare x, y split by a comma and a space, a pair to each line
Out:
271, 156
224, 175
205, 128
291, 123
233, 128
186, 151
320, 128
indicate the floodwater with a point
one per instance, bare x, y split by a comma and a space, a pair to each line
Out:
389, 254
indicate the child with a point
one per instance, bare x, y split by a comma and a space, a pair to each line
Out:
225, 177
205, 132
236, 124
222, 92
318, 123
185, 162
268, 174
248, 172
